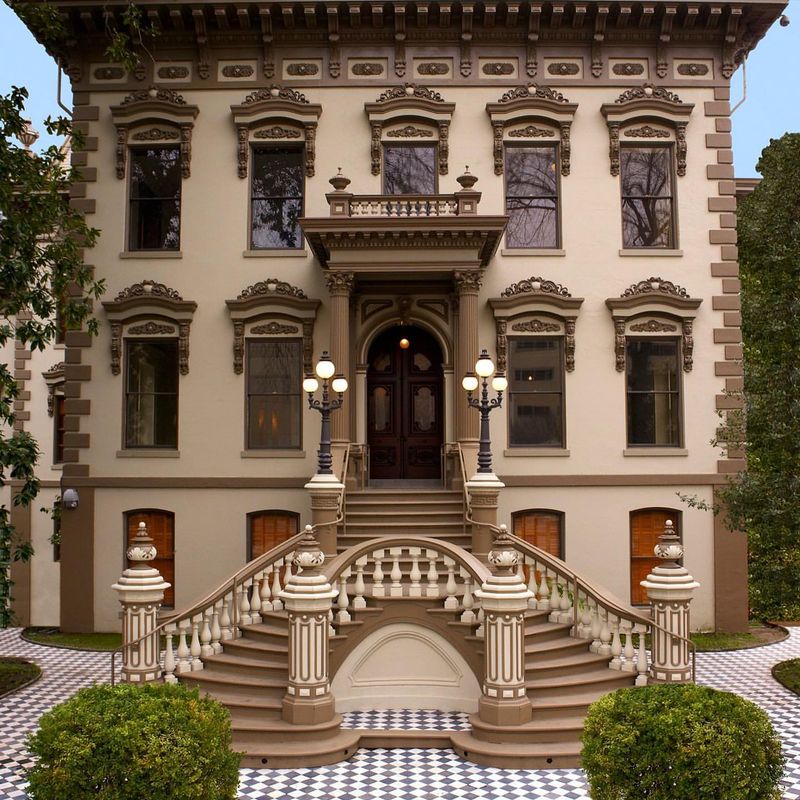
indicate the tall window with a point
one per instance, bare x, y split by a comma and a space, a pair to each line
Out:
654, 392
276, 199
541, 528
646, 526
536, 392
161, 528
647, 197
151, 393
274, 377
409, 169
532, 196
268, 529
59, 428
155, 198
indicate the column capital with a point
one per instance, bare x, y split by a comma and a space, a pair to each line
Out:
340, 283
467, 281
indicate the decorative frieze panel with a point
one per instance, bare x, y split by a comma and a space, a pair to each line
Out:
154, 114
569, 68
173, 72
699, 69
236, 71
367, 69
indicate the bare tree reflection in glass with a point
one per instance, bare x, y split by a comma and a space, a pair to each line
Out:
155, 198
531, 197
409, 169
276, 199
647, 215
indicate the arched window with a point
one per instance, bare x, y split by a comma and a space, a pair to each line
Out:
268, 529
647, 524
161, 528
541, 527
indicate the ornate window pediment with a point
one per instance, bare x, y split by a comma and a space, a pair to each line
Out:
154, 115
54, 378
272, 308
149, 310
654, 307
276, 115
647, 113
532, 114
535, 306
396, 115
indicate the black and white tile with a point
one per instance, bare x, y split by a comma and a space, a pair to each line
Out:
404, 774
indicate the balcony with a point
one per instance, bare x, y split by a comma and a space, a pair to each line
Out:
378, 235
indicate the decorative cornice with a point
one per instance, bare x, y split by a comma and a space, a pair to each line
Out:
271, 286
148, 288
409, 90
409, 132
655, 286
274, 329
653, 326
535, 285
55, 374
647, 132
276, 132
154, 93
150, 328
532, 132
649, 92
155, 135
533, 90
536, 326
275, 92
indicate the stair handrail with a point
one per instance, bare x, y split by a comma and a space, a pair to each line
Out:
237, 579
468, 518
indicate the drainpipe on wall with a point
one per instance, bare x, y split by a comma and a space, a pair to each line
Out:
61, 105
744, 85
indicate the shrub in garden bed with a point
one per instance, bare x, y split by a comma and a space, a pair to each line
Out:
134, 742
680, 742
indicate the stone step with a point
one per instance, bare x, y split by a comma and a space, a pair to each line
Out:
597, 679
522, 755
546, 664
268, 667
545, 632
306, 752
257, 648
266, 633
566, 644
214, 681
411, 505
564, 728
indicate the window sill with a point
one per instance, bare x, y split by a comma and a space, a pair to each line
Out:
548, 452
151, 254
532, 251
57, 467
655, 451
275, 253
153, 452
273, 453
647, 252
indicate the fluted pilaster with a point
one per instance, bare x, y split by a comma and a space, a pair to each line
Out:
467, 284
340, 286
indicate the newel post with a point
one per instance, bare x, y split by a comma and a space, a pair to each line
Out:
670, 588
484, 492
307, 600
141, 592
504, 599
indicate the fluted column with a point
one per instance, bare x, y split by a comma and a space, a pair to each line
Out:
468, 284
340, 286
307, 599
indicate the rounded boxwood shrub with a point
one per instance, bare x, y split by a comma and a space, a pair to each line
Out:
134, 742
680, 742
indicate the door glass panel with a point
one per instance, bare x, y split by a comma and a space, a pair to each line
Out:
382, 362
381, 409
421, 362
424, 409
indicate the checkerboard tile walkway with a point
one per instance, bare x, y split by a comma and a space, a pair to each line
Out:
409, 774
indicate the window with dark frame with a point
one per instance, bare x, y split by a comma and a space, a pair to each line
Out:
653, 384
155, 198
648, 214
532, 197
274, 401
536, 391
276, 198
151, 393
59, 428
409, 168
646, 526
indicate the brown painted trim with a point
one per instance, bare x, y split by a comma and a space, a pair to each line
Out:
387, 738
77, 565
191, 483
730, 577
42, 484
21, 570
678, 479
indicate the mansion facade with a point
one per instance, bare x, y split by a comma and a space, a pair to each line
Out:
402, 185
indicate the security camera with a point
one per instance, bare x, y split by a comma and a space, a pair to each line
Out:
70, 499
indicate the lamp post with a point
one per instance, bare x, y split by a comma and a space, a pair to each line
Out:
485, 369
325, 370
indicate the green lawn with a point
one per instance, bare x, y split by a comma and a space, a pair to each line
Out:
788, 673
15, 672
79, 641
757, 635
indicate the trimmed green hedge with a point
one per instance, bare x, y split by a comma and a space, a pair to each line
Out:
134, 742
680, 742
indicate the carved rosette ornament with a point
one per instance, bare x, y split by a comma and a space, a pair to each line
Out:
271, 286
148, 288
536, 285
655, 286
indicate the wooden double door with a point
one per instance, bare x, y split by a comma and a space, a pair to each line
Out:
405, 428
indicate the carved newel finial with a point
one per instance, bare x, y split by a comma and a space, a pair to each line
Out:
142, 550
308, 556
467, 180
669, 547
339, 181
503, 556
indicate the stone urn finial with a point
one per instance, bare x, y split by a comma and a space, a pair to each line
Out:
669, 547
308, 556
467, 180
141, 550
339, 181
503, 556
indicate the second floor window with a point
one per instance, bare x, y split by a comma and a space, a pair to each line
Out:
151, 393
536, 392
59, 428
647, 197
532, 197
274, 403
409, 169
276, 200
654, 392
155, 199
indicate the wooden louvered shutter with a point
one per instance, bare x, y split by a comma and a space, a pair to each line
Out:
646, 527
161, 528
268, 529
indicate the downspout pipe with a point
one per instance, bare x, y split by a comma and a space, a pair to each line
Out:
67, 111
744, 85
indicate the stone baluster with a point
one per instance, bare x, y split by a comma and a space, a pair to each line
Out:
555, 600
451, 602
585, 626
641, 655
225, 619
628, 652
596, 628
480, 617
307, 597
216, 630
543, 603
566, 614
504, 598
169, 654
532, 588
343, 601
670, 588
432, 587
255, 602
277, 603
616, 645
184, 654
140, 590
467, 615
206, 649
359, 588
378, 589
415, 576
266, 592
243, 604
605, 635
396, 589
194, 647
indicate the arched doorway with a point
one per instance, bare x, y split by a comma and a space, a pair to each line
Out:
405, 429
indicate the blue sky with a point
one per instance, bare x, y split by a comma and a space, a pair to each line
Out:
772, 106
